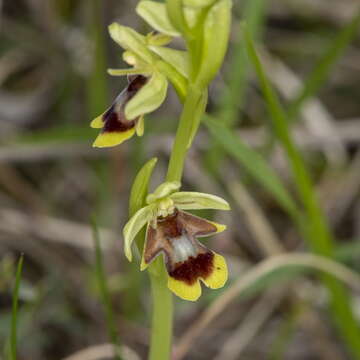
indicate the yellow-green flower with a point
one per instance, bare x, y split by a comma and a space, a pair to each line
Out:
116, 127
147, 86
173, 232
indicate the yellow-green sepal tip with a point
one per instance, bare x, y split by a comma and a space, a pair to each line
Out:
109, 139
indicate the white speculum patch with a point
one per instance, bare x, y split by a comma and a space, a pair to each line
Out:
183, 248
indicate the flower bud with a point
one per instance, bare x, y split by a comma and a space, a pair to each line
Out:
216, 36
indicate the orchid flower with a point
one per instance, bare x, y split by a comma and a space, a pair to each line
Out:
173, 232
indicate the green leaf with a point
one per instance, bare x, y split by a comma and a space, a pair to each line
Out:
129, 39
148, 98
155, 14
253, 162
139, 189
197, 201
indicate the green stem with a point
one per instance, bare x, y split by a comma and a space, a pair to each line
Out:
183, 134
161, 332
162, 316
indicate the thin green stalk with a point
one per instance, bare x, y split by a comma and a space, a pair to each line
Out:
14, 313
183, 134
162, 315
104, 292
161, 332
319, 235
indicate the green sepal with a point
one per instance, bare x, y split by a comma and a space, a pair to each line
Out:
155, 14
131, 40
148, 98
133, 226
215, 41
177, 58
163, 190
198, 201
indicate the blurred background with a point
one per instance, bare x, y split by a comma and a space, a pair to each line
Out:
53, 81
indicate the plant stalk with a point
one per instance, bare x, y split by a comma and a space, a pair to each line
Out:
161, 332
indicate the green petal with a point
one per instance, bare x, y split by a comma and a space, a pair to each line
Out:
148, 98
129, 39
139, 127
163, 190
131, 71
133, 60
133, 226
155, 15
197, 201
177, 58
158, 39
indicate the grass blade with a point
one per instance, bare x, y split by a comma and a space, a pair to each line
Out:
253, 162
104, 292
14, 312
321, 71
237, 77
97, 88
318, 233
253, 13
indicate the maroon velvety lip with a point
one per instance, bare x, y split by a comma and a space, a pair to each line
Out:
114, 118
194, 268
114, 122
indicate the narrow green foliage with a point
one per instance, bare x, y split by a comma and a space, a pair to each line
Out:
14, 312
322, 70
234, 93
234, 96
97, 90
253, 162
286, 333
318, 233
104, 292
